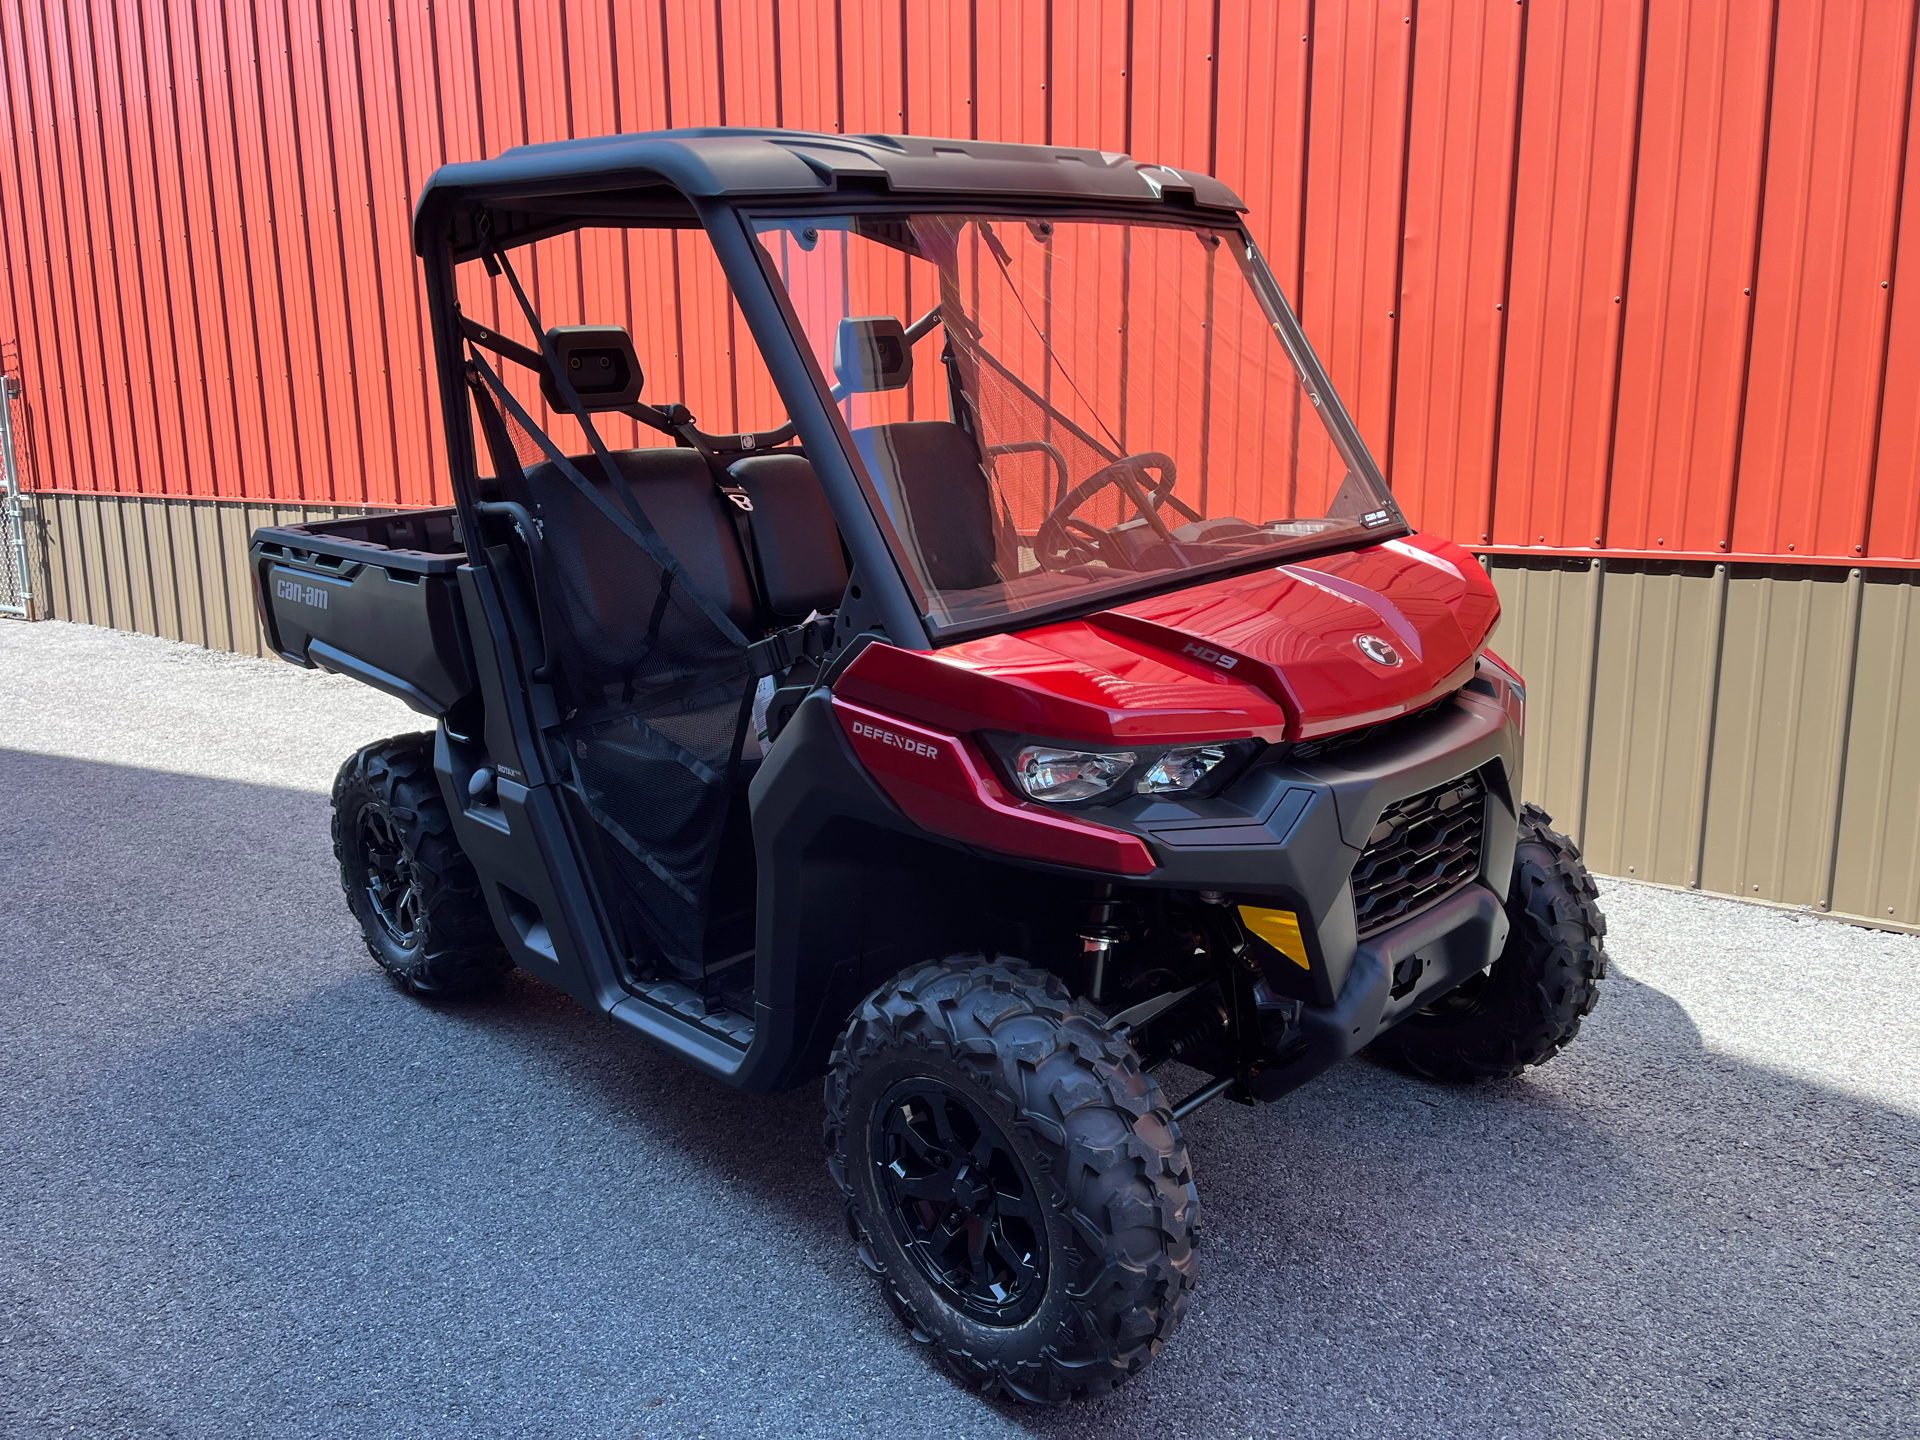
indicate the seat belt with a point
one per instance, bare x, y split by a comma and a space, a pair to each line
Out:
738, 502
506, 461
676, 420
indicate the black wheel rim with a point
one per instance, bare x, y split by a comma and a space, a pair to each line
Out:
1462, 1002
393, 885
960, 1202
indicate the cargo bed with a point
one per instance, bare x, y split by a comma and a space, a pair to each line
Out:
375, 597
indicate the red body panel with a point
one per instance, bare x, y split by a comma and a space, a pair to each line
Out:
1294, 630
946, 789
1066, 682
1272, 654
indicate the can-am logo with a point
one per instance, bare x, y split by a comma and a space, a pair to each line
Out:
313, 595
1207, 655
898, 742
1377, 650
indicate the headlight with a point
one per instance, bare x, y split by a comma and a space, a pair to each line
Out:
1180, 769
1050, 770
1060, 776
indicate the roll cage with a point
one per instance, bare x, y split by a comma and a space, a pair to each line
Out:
726, 182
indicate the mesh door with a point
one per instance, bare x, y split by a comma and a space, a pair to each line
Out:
655, 689
658, 784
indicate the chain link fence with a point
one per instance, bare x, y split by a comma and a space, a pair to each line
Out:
16, 594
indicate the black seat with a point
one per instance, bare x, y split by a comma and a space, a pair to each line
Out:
938, 496
796, 545
605, 587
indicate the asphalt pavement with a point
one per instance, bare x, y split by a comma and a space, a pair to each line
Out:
247, 1188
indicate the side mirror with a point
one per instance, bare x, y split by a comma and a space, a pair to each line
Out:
870, 352
601, 364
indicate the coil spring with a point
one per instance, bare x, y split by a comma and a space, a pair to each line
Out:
1209, 1026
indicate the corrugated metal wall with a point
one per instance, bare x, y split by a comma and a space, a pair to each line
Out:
1592, 274
171, 566
1748, 729
1614, 289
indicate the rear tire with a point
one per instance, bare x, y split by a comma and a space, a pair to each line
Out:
1014, 1178
1527, 1007
407, 881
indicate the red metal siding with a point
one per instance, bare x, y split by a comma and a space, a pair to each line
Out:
1356, 166
1459, 214
939, 77
1574, 183
1702, 158
1894, 516
810, 66
1833, 180
1595, 275
1012, 60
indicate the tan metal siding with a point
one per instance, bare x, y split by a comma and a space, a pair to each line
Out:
1877, 870
1783, 678
1652, 722
1752, 730
160, 565
1549, 609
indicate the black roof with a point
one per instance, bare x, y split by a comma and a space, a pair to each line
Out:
544, 189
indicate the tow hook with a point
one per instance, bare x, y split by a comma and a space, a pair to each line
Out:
1406, 975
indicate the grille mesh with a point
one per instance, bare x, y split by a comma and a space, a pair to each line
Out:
1422, 850
1346, 739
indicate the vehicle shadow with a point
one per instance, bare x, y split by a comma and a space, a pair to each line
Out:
250, 1183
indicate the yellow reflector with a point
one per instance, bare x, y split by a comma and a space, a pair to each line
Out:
1280, 929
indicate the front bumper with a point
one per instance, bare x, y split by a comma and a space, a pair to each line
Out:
1431, 953
1285, 835
1288, 837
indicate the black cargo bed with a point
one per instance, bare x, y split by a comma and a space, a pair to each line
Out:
374, 597
421, 542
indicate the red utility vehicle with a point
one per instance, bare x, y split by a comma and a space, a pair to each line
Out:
1046, 701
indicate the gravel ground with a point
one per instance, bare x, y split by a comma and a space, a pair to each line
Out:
245, 1187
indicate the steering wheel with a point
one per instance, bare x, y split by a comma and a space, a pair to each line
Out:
1055, 538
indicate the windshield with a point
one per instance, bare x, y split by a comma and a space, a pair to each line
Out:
1052, 410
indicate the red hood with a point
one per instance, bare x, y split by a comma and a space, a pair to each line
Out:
1066, 682
1296, 631
1210, 662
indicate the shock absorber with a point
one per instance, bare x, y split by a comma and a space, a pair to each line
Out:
1098, 937
1206, 1031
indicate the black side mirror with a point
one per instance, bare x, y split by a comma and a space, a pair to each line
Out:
601, 363
870, 352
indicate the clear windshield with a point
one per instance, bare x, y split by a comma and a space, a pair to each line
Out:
1049, 410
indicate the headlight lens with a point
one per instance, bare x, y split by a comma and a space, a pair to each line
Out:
1060, 776
1180, 769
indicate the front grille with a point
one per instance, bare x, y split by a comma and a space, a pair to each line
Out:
1422, 850
1346, 739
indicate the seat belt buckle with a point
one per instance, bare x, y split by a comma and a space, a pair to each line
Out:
784, 649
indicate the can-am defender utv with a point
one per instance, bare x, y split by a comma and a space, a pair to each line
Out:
1050, 692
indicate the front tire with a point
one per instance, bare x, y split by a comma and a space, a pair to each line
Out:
1014, 1178
1527, 1007
407, 881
